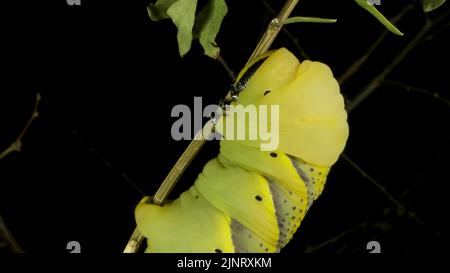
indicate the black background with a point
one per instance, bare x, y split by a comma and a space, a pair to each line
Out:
109, 78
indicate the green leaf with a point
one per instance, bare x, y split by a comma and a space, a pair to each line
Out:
430, 5
300, 19
158, 10
182, 14
373, 10
207, 25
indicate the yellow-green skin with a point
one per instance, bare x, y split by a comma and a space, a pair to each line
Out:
248, 200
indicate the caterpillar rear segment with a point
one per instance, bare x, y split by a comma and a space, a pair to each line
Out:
248, 200
228, 209
188, 224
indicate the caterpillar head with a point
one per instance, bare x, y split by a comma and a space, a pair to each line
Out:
312, 121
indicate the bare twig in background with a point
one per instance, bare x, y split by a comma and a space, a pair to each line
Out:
437, 155
427, 92
227, 68
436, 32
100, 157
16, 146
199, 140
8, 238
379, 79
358, 63
396, 205
366, 223
384, 191
336, 238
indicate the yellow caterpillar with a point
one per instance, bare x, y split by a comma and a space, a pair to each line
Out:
246, 199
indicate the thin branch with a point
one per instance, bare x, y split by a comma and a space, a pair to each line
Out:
199, 140
6, 235
379, 79
363, 224
345, 246
433, 162
436, 32
336, 238
434, 95
227, 68
273, 29
100, 157
16, 146
359, 62
135, 242
286, 31
391, 198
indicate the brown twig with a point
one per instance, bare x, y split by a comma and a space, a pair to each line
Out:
6, 235
199, 140
16, 146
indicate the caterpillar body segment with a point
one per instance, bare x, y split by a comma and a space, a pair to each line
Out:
312, 118
313, 176
247, 199
244, 196
188, 224
276, 165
